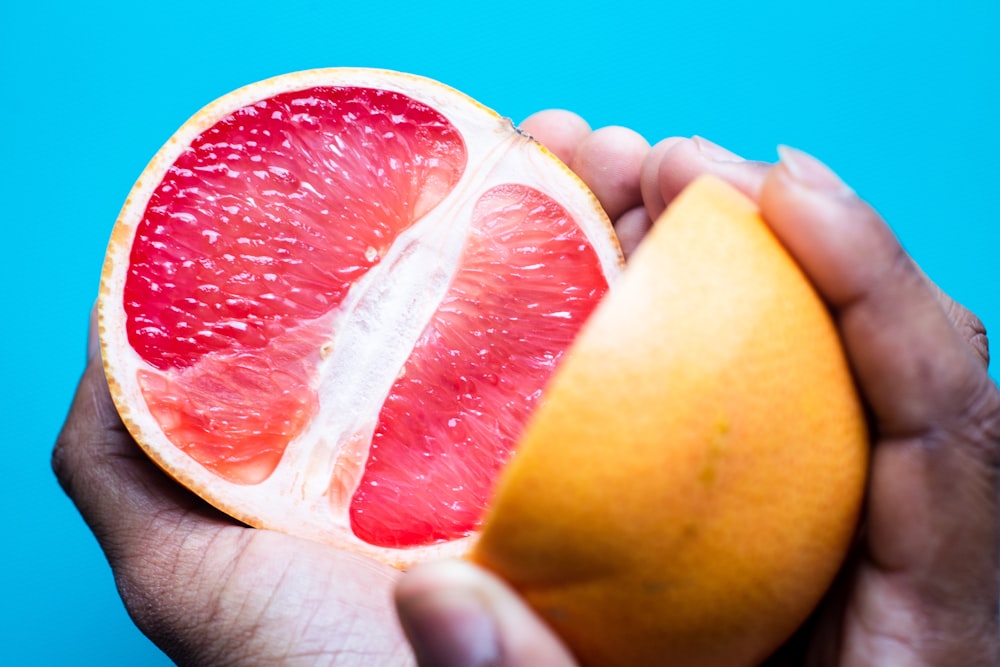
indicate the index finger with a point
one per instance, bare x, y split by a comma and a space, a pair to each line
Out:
913, 365
929, 583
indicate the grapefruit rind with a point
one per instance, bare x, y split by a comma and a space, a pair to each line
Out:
690, 483
509, 156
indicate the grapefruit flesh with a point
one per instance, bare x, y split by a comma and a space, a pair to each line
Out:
526, 281
332, 300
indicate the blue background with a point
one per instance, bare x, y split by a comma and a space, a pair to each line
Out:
900, 97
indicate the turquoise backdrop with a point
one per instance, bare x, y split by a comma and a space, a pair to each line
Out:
901, 97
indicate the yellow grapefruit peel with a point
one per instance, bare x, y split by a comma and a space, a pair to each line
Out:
690, 484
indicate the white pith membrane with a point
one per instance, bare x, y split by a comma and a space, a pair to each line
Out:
376, 325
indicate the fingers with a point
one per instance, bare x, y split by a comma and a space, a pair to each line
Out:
915, 367
457, 615
558, 130
608, 160
931, 525
625, 173
649, 177
631, 228
673, 163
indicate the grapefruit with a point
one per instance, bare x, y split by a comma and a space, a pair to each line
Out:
690, 484
332, 299
342, 303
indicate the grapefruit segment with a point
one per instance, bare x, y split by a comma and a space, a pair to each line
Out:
333, 298
527, 279
273, 212
235, 413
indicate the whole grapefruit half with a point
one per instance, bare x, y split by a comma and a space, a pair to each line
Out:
332, 299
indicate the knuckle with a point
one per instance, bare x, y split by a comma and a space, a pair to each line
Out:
60, 465
971, 328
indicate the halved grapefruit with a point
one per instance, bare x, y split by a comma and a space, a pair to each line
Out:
333, 298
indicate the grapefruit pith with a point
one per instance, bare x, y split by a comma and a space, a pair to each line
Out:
332, 299
690, 483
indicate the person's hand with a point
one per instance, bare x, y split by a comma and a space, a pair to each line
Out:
922, 586
206, 590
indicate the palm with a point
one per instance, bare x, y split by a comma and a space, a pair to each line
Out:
289, 601
205, 589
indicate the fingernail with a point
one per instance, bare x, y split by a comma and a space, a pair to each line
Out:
810, 172
715, 152
451, 628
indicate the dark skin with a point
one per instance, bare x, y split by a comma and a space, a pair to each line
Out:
921, 587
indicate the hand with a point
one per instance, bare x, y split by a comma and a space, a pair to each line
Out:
205, 589
922, 586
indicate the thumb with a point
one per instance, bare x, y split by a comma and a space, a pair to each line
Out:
458, 615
